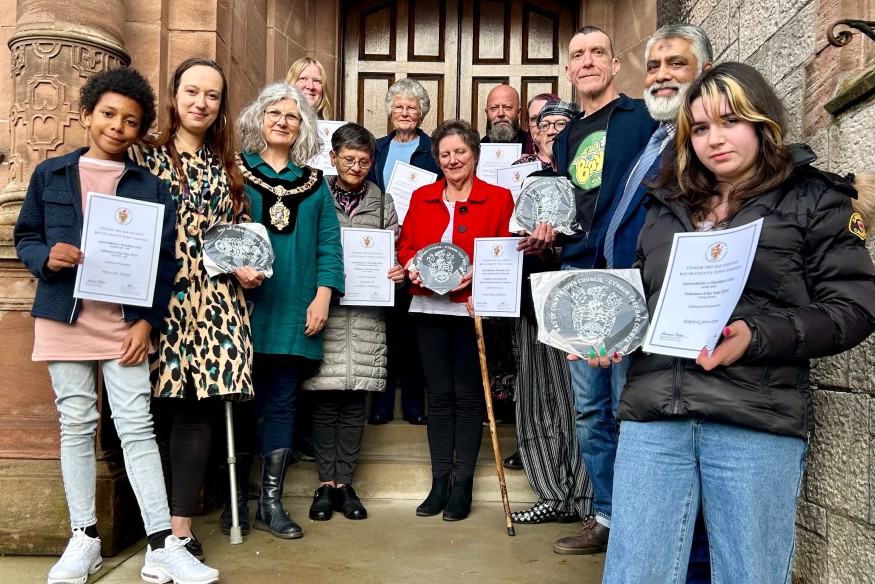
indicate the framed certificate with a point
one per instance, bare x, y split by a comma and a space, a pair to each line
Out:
368, 255
121, 241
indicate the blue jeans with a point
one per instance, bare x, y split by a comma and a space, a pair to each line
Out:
129, 393
596, 394
748, 482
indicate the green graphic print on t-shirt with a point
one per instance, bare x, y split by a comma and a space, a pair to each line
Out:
585, 169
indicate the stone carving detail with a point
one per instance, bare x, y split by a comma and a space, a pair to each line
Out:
47, 74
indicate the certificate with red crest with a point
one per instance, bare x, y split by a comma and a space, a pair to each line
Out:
368, 255
706, 274
121, 240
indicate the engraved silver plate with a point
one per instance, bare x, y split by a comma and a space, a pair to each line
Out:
591, 309
546, 199
441, 266
234, 246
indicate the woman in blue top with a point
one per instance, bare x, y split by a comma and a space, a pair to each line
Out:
278, 133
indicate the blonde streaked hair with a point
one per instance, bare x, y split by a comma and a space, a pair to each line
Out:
751, 98
323, 107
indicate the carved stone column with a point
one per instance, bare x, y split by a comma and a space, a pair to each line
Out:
55, 48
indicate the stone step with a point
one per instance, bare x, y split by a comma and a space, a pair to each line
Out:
395, 464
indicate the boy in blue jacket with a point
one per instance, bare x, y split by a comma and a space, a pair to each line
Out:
74, 336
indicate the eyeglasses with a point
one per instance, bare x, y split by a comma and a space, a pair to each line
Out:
274, 115
349, 162
403, 109
559, 125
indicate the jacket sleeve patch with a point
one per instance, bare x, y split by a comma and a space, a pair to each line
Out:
856, 226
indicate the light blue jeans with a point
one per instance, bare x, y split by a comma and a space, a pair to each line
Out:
748, 482
596, 394
129, 392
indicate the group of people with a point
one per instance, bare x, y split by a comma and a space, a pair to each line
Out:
702, 481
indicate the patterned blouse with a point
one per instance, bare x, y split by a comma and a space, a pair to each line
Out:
205, 336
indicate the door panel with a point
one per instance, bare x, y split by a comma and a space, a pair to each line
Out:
458, 49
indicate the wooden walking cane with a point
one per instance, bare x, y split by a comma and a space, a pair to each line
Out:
487, 393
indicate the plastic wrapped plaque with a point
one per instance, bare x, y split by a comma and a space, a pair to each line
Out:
228, 247
441, 266
545, 199
583, 310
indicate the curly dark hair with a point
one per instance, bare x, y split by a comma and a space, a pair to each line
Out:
124, 81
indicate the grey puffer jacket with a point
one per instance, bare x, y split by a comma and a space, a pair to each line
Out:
810, 293
355, 336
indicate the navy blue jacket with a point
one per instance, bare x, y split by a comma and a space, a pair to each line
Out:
421, 158
626, 239
629, 129
52, 213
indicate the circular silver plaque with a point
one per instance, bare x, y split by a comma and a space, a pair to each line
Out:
441, 266
234, 246
591, 310
546, 199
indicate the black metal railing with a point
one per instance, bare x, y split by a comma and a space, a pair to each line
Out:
843, 37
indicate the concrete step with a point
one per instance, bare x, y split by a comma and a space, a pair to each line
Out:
395, 464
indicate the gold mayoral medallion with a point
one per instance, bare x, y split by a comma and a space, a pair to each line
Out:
279, 215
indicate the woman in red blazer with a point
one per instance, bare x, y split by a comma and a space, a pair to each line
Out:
457, 209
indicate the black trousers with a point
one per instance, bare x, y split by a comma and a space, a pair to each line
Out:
338, 422
450, 361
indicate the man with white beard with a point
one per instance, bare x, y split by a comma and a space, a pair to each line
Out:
675, 55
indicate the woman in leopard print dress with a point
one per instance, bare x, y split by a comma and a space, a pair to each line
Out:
204, 347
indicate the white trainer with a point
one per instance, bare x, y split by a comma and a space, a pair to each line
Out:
174, 563
79, 560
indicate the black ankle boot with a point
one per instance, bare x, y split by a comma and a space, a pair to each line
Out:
459, 505
347, 502
270, 515
437, 497
241, 470
322, 506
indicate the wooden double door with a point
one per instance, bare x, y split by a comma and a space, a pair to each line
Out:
458, 49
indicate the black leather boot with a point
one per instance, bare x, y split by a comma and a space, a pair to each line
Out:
459, 505
437, 497
270, 515
347, 502
323, 506
241, 470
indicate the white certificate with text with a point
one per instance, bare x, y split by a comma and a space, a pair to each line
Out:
121, 241
512, 177
325, 130
497, 276
494, 156
368, 255
405, 179
706, 274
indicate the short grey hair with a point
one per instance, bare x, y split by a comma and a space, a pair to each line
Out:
250, 124
468, 133
700, 44
409, 88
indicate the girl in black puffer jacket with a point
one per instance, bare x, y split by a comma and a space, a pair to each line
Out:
731, 428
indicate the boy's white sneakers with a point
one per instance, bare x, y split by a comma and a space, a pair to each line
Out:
174, 563
79, 560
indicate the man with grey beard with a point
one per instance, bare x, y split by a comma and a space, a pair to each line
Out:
675, 55
503, 118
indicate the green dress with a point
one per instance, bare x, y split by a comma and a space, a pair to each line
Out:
308, 255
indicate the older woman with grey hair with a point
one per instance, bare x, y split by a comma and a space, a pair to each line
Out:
278, 132
407, 104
